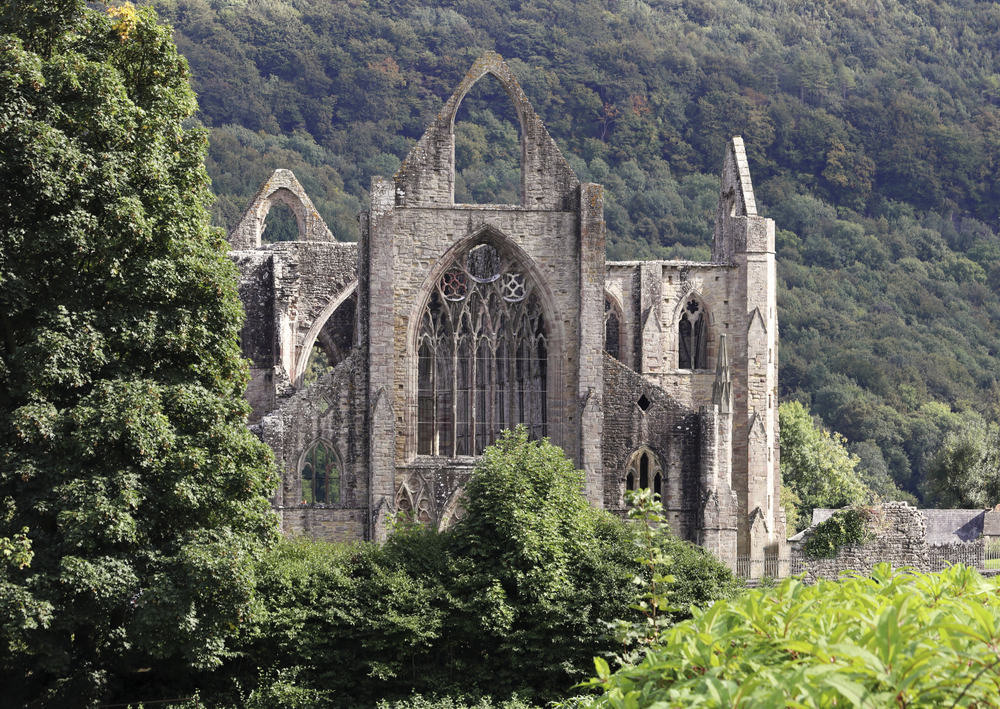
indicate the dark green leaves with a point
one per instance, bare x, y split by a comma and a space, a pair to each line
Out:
123, 446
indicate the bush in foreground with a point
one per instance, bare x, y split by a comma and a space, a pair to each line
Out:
517, 598
896, 639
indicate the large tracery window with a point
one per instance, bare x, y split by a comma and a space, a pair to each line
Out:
482, 357
692, 337
320, 474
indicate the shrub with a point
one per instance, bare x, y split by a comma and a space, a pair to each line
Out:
851, 526
894, 639
513, 600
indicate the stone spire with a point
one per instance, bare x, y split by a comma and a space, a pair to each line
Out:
722, 387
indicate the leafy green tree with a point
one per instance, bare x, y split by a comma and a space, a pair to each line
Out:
965, 471
816, 464
515, 598
538, 569
123, 445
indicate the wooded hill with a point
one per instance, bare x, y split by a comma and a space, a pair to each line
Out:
873, 133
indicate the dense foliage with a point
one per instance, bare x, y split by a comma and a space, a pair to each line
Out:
897, 639
965, 472
517, 597
873, 133
818, 470
855, 525
131, 493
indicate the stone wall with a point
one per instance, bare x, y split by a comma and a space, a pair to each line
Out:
670, 430
901, 540
333, 410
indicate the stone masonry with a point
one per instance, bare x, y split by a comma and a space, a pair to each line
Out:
448, 322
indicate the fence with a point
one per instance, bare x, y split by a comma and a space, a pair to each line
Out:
769, 567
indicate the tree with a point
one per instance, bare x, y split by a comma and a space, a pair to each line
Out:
514, 598
965, 471
816, 465
538, 571
123, 445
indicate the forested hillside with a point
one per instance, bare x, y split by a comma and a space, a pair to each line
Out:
873, 132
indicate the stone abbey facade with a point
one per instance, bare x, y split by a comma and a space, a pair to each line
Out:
447, 323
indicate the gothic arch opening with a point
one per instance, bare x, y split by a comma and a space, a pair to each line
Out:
482, 346
330, 338
644, 471
288, 213
692, 328
279, 224
319, 473
487, 134
614, 326
333, 342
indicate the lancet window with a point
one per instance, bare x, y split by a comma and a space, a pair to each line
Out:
612, 329
482, 356
320, 473
644, 472
692, 336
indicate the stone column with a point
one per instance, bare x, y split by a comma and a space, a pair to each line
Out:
380, 331
591, 347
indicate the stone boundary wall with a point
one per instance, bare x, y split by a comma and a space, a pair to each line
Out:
902, 541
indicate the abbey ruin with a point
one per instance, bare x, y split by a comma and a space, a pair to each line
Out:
448, 323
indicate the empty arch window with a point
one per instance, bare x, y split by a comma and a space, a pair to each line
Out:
644, 472
320, 473
482, 356
612, 328
692, 336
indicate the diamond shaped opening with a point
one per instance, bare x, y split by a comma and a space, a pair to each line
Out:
644, 403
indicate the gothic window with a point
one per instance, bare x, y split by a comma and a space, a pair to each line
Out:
692, 337
482, 356
320, 474
612, 328
644, 471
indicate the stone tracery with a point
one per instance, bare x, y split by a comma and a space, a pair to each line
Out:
644, 472
320, 473
692, 336
482, 356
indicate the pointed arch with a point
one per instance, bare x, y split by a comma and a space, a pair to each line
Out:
644, 469
485, 348
693, 332
427, 175
415, 497
281, 186
319, 473
302, 356
454, 509
614, 327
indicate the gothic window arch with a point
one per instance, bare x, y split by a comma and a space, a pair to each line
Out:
692, 335
644, 471
482, 356
613, 322
319, 473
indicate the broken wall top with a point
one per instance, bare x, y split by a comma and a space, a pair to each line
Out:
427, 175
738, 228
